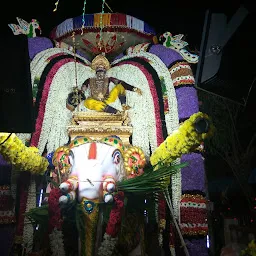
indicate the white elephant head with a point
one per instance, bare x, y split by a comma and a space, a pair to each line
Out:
96, 166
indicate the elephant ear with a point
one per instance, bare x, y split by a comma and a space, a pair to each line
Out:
61, 161
134, 161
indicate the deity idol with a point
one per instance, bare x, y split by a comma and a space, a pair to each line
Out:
100, 95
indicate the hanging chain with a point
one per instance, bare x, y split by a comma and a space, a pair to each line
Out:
74, 51
75, 89
101, 24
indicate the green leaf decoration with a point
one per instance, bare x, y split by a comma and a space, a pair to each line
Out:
151, 180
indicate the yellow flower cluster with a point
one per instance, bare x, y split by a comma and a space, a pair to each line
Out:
250, 250
181, 141
21, 157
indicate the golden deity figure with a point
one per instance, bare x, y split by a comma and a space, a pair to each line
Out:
100, 94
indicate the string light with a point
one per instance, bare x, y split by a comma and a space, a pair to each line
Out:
56, 6
108, 6
83, 18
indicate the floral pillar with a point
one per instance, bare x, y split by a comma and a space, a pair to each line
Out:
7, 205
193, 214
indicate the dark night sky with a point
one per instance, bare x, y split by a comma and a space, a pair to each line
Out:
185, 17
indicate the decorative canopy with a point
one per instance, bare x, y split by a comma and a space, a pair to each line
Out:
117, 31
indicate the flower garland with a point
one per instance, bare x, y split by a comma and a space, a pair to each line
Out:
7, 205
162, 218
141, 106
107, 246
21, 157
181, 141
163, 73
24, 137
54, 117
171, 116
42, 107
38, 65
55, 223
23, 191
56, 243
113, 227
172, 119
40, 61
123, 71
193, 217
28, 229
54, 209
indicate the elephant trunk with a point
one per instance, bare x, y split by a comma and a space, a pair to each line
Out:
89, 215
184, 140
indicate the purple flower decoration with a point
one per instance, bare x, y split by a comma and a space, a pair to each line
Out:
38, 44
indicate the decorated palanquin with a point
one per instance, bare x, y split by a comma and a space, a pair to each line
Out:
117, 118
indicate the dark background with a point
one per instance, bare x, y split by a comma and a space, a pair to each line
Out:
185, 17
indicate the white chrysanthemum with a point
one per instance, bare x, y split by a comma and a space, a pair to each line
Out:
28, 230
56, 243
107, 246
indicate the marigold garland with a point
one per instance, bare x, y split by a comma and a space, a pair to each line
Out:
21, 157
181, 141
250, 250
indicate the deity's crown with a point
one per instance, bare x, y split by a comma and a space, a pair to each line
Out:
99, 62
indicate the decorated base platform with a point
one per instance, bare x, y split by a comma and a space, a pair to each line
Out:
97, 125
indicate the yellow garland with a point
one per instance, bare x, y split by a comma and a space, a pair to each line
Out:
21, 157
181, 141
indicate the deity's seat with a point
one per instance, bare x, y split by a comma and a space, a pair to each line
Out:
97, 125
